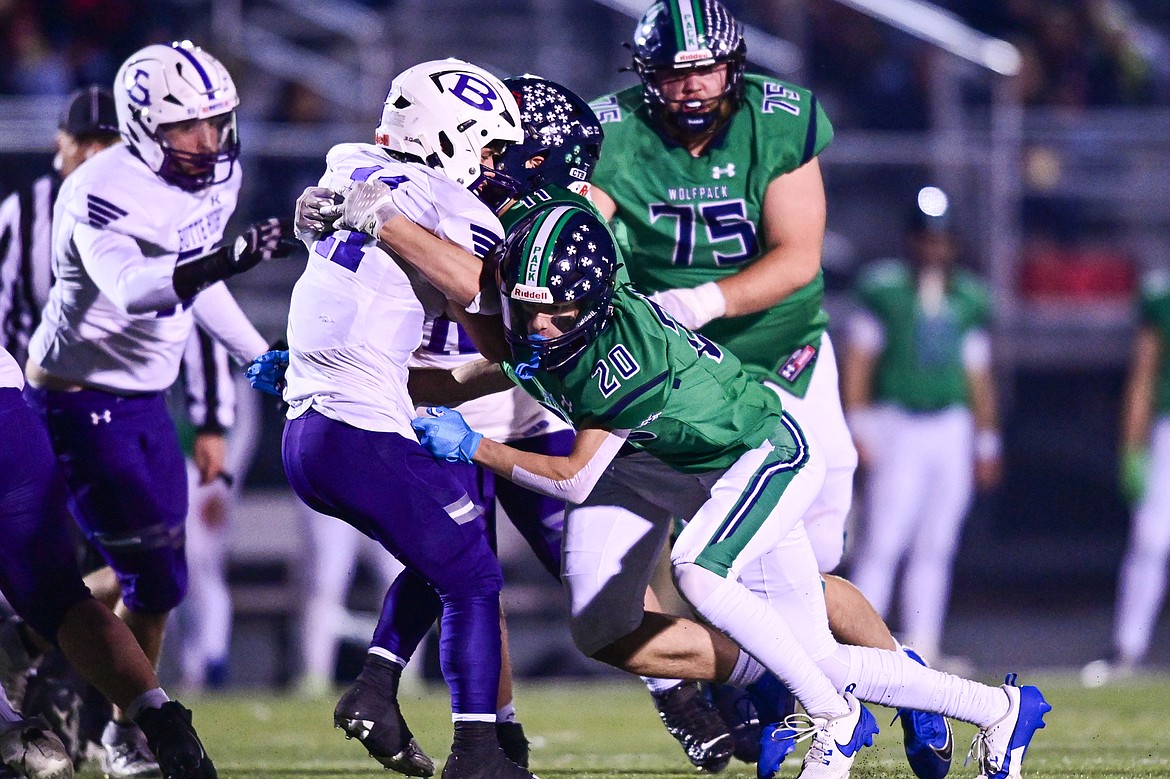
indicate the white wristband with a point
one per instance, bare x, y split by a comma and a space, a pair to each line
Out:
988, 444
693, 307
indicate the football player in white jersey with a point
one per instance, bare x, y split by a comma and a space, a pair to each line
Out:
40, 578
136, 263
356, 316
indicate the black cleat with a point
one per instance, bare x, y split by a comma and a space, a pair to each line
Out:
368, 711
476, 755
694, 722
513, 742
176, 745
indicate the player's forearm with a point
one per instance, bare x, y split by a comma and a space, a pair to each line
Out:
1136, 411
221, 316
769, 280
982, 394
570, 479
452, 271
442, 387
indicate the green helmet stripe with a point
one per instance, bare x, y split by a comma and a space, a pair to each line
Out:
689, 30
540, 242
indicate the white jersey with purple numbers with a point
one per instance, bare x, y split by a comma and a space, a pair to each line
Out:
358, 313
113, 321
10, 373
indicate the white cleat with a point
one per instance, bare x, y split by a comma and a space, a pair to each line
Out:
835, 742
1000, 747
35, 752
126, 754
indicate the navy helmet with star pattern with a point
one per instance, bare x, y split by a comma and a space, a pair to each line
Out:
562, 261
562, 140
680, 35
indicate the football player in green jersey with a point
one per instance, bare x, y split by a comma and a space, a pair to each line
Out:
700, 439
1145, 483
712, 181
920, 395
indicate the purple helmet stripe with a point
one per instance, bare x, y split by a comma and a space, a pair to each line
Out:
198, 68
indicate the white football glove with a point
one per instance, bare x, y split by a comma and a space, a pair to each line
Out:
693, 307
368, 205
308, 219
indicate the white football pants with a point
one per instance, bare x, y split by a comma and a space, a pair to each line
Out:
1142, 585
770, 601
917, 495
334, 550
820, 414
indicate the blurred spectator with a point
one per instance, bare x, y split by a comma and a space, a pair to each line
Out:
32, 66
920, 398
1145, 482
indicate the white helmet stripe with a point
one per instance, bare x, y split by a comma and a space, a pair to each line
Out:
538, 244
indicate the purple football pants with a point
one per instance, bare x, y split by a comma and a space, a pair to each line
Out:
391, 489
38, 570
407, 614
127, 486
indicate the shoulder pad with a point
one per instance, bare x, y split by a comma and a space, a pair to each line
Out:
116, 192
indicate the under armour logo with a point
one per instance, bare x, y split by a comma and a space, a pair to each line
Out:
102, 417
718, 172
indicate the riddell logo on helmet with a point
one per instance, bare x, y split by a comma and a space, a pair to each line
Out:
528, 294
693, 56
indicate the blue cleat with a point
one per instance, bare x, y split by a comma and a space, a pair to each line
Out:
999, 748
772, 699
738, 712
835, 742
774, 704
927, 737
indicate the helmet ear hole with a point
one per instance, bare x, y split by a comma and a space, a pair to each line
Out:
445, 145
401, 103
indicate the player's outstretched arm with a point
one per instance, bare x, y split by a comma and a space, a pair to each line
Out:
442, 387
369, 207
571, 478
271, 239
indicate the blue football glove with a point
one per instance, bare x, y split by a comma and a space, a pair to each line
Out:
445, 434
266, 373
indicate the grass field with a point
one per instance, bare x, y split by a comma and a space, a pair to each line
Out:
594, 730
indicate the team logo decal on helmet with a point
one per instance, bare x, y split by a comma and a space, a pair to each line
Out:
562, 261
678, 35
444, 113
562, 140
162, 85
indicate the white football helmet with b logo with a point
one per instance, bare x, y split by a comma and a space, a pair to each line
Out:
444, 113
164, 84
